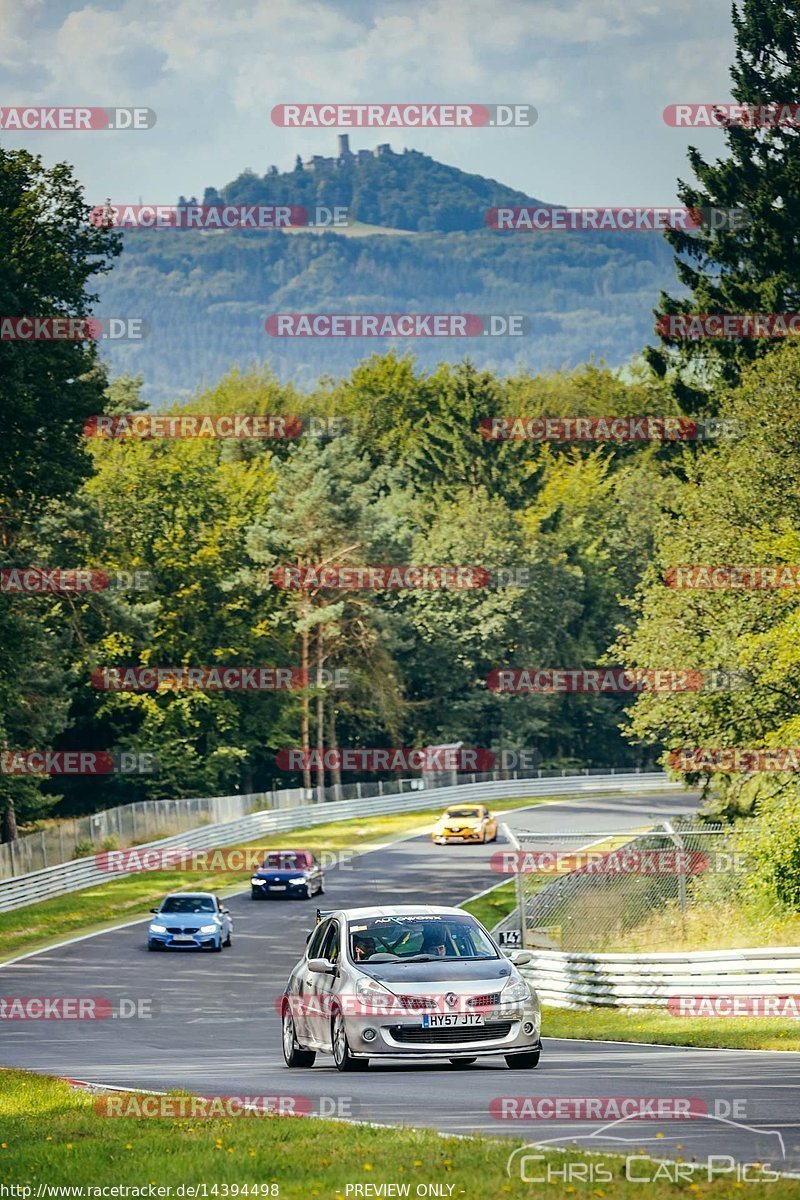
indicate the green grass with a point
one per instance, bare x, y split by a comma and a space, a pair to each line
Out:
129, 897
729, 925
51, 1134
733, 1033
495, 905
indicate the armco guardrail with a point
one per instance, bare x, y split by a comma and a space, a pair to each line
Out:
83, 872
649, 980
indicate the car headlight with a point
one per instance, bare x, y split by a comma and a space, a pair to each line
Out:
258, 882
157, 928
366, 987
298, 879
516, 991
208, 928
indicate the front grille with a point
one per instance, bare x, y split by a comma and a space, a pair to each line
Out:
177, 929
446, 1037
487, 1001
417, 1002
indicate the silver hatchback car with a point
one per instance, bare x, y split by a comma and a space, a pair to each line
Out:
407, 982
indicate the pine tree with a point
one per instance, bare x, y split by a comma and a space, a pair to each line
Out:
751, 267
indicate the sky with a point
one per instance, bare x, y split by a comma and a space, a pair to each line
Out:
599, 76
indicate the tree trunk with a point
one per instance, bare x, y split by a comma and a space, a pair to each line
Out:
333, 742
304, 723
320, 718
9, 830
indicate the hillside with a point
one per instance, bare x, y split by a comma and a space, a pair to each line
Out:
206, 295
403, 191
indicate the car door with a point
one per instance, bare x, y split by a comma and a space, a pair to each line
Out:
225, 921
324, 986
314, 876
491, 826
306, 998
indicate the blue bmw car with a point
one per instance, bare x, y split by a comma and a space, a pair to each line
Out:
289, 874
190, 921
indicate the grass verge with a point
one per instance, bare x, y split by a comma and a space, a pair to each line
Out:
732, 1033
50, 1134
108, 904
494, 905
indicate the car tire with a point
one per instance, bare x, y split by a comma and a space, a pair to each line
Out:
153, 945
462, 1062
217, 945
229, 939
292, 1054
254, 895
343, 1059
526, 1061
321, 888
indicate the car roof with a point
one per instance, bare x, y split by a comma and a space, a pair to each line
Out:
396, 910
191, 896
294, 850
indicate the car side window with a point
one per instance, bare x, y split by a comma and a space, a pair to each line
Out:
330, 949
316, 939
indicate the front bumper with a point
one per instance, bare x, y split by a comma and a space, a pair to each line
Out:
286, 891
507, 1029
199, 941
468, 835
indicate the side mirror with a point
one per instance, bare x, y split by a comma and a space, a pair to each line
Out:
227, 911
321, 966
153, 910
520, 958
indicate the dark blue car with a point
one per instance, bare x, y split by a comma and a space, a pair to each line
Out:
288, 874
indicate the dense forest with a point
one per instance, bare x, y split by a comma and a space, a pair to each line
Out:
599, 527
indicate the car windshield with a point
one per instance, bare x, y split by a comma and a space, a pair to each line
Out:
462, 812
419, 938
188, 904
286, 860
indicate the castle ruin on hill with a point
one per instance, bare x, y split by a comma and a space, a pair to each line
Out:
345, 157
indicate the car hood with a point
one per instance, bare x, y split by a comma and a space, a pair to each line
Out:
395, 975
184, 920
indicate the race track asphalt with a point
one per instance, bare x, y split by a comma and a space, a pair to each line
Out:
217, 1029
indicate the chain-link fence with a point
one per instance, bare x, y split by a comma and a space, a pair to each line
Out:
621, 891
146, 821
